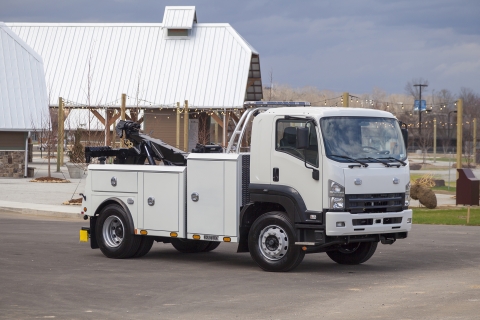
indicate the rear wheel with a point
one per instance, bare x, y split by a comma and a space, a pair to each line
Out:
189, 246
271, 242
145, 245
114, 233
211, 246
353, 253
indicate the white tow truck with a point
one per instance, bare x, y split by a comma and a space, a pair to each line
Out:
314, 179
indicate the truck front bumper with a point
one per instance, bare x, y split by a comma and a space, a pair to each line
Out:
346, 224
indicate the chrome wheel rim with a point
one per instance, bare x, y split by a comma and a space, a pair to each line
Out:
113, 231
273, 242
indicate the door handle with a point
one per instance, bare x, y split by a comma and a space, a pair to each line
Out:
276, 174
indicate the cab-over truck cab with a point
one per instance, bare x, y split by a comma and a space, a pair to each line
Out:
339, 176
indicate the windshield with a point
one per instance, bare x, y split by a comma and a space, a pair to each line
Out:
364, 138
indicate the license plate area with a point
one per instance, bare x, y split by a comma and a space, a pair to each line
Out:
210, 237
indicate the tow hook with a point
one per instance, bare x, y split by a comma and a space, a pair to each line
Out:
388, 241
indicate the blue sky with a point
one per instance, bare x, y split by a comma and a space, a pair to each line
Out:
338, 45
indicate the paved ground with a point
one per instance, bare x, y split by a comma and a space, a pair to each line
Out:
47, 273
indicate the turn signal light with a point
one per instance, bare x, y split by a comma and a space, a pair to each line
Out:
173, 234
196, 237
143, 232
85, 209
227, 239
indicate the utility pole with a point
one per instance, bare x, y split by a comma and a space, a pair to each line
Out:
474, 141
459, 133
420, 108
434, 139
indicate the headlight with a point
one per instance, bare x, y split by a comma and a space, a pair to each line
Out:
336, 194
407, 194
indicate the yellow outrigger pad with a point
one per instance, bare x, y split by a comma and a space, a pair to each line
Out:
83, 235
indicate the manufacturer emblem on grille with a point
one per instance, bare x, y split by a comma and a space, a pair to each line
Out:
396, 180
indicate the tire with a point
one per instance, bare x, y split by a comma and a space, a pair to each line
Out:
114, 233
211, 246
189, 246
145, 245
271, 242
354, 253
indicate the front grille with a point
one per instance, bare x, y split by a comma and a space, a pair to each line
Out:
374, 203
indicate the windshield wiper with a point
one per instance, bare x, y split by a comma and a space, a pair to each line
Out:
384, 162
351, 159
395, 159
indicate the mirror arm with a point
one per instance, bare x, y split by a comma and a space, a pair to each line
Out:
315, 172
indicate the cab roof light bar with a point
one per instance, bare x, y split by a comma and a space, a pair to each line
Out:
247, 104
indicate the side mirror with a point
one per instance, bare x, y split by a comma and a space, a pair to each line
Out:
405, 137
302, 142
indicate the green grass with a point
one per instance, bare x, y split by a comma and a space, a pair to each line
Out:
453, 182
452, 159
446, 216
453, 188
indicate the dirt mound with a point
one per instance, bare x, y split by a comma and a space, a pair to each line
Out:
50, 180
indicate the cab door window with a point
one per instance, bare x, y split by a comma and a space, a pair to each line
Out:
286, 137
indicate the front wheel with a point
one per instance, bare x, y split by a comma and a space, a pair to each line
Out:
271, 242
114, 233
353, 253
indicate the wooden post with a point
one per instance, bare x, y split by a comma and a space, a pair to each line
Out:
185, 127
107, 127
122, 115
345, 99
226, 119
459, 133
474, 141
60, 135
434, 139
468, 215
216, 132
177, 141
114, 134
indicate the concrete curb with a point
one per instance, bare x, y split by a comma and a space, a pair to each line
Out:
42, 213
41, 209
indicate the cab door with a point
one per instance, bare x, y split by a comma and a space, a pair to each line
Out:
288, 166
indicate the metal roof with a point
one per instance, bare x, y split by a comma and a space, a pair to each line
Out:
23, 93
179, 17
211, 68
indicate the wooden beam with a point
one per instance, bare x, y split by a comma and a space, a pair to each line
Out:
225, 130
113, 118
234, 117
98, 115
140, 121
217, 119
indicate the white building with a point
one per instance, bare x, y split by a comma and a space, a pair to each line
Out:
155, 64
23, 101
